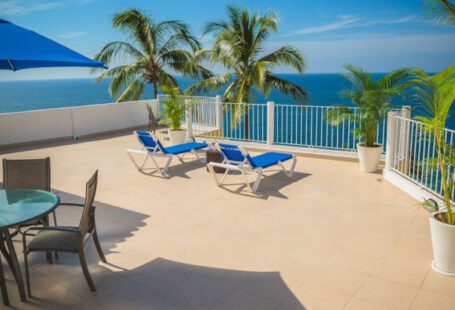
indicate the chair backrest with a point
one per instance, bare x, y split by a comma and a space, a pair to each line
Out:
146, 139
149, 141
85, 224
153, 123
27, 173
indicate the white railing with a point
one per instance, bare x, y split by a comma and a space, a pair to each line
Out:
293, 125
413, 148
309, 126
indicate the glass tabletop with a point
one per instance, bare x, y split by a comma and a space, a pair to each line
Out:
19, 206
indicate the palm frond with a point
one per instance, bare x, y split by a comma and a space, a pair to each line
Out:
138, 26
286, 87
118, 50
133, 92
442, 11
211, 83
286, 56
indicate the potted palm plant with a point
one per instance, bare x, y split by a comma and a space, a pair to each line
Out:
437, 94
372, 97
172, 115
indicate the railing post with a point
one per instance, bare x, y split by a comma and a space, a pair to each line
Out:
391, 140
219, 116
405, 135
270, 122
189, 119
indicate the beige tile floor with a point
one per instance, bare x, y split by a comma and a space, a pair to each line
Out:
329, 238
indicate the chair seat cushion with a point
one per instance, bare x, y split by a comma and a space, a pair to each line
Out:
185, 147
269, 159
55, 240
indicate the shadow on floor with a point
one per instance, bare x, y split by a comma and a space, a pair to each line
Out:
177, 169
271, 184
156, 284
174, 285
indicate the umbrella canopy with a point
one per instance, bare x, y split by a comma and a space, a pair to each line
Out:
21, 48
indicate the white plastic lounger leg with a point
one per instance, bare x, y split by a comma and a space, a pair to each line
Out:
212, 172
224, 176
140, 152
258, 180
294, 162
166, 166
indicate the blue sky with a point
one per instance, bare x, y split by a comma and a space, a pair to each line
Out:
377, 35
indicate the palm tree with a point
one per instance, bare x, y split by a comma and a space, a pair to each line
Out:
443, 11
239, 46
155, 50
437, 95
372, 97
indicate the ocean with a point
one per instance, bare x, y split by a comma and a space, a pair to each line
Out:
16, 96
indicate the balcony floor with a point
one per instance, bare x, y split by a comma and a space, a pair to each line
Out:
331, 237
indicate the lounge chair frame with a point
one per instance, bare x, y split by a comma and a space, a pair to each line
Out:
158, 151
245, 167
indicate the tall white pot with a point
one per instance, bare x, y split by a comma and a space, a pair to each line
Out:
177, 136
443, 241
369, 157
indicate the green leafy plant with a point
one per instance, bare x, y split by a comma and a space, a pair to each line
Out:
155, 49
372, 97
437, 95
442, 11
239, 47
173, 108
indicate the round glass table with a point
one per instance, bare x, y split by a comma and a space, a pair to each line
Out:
19, 206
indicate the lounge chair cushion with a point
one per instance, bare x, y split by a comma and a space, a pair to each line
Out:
268, 159
185, 147
146, 140
58, 240
232, 154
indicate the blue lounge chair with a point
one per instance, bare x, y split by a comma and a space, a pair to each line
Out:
238, 159
151, 147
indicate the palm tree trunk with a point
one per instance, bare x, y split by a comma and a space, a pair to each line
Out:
246, 119
155, 90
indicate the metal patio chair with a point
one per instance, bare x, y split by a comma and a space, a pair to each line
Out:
30, 174
66, 238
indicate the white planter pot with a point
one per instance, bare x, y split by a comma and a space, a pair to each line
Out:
177, 136
443, 241
369, 157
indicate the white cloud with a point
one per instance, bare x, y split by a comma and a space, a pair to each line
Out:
349, 21
72, 34
24, 7
342, 22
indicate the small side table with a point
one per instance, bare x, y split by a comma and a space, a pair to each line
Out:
216, 157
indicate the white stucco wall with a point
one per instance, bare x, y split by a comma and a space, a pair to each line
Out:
34, 126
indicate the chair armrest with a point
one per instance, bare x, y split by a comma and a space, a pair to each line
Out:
75, 205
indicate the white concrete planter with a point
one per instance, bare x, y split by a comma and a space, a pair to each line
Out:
443, 241
177, 136
369, 157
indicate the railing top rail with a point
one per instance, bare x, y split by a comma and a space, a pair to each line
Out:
419, 123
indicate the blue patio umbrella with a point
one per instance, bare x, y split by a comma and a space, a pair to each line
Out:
21, 48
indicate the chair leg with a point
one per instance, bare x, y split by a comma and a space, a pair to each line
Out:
27, 274
48, 253
85, 269
3, 285
55, 224
98, 246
